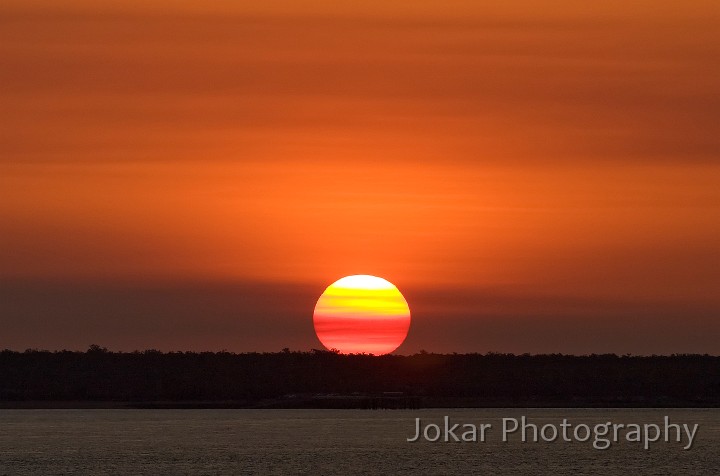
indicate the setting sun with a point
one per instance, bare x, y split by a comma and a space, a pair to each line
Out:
362, 314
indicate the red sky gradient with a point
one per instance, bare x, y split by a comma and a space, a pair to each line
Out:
535, 177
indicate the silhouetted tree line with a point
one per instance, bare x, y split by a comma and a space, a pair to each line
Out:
296, 378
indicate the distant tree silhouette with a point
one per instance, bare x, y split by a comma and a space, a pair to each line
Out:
268, 379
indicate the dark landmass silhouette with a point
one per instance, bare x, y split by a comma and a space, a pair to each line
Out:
324, 379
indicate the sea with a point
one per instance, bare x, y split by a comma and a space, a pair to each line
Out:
371, 442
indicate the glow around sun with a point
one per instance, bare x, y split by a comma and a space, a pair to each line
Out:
362, 314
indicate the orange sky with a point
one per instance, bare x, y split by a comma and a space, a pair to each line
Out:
536, 176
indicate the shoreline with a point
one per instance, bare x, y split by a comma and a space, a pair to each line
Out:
337, 404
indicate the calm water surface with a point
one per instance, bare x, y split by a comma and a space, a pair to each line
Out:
38, 442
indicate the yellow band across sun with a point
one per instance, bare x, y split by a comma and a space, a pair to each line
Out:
362, 313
